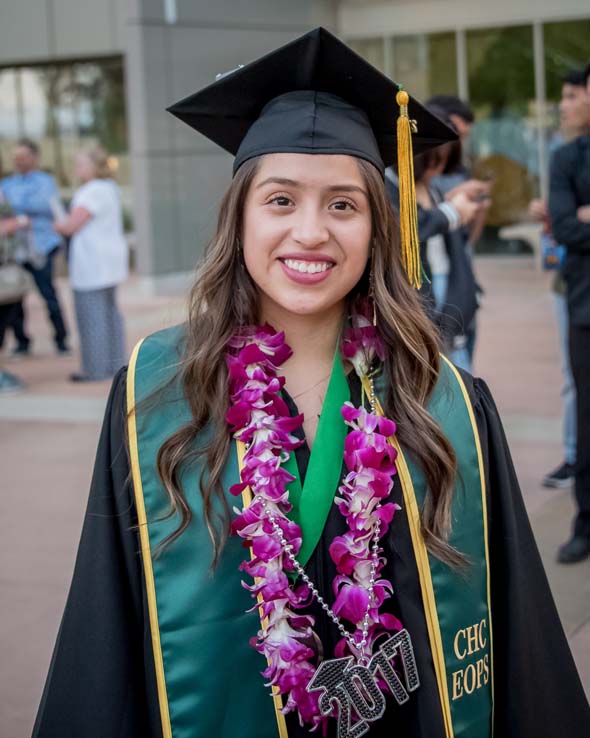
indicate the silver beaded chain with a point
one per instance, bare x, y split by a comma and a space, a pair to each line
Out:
288, 550
363, 659
372, 399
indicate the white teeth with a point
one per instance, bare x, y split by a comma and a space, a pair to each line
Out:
307, 267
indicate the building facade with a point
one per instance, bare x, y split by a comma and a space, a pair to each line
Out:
74, 74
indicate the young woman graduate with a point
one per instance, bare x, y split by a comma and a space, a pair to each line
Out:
302, 516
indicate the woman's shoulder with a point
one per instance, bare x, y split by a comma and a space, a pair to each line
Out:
97, 188
167, 343
86, 193
480, 396
154, 362
156, 359
475, 388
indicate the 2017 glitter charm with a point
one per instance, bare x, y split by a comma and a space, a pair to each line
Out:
352, 690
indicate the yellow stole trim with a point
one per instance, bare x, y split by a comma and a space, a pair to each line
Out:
146, 553
484, 502
276, 696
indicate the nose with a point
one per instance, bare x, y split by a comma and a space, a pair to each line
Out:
310, 229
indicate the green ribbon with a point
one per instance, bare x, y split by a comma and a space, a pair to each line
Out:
311, 503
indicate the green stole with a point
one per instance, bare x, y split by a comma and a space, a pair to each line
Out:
208, 676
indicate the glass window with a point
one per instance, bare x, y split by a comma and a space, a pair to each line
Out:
372, 50
101, 104
567, 47
59, 135
101, 111
10, 119
65, 107
33, 92
503, 142
425, 64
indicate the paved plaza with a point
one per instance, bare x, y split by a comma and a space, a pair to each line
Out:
48, 437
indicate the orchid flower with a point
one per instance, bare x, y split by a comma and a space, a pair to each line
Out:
259, 417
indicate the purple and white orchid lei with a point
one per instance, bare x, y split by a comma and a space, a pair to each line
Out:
259, 418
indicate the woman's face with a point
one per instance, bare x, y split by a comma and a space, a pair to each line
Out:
307, 230
84, 168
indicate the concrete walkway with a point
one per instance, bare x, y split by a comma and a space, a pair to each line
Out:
48, 438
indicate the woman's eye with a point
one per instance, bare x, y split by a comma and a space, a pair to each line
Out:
342, 205
281, 200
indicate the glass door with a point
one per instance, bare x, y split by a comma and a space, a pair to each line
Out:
503, 143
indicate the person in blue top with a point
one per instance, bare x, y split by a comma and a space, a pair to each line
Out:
29, 192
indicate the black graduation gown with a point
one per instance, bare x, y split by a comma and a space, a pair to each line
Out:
101, 682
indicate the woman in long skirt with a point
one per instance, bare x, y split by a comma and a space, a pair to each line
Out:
98, 262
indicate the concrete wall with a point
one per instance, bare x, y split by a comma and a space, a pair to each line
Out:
178, 175
360, 18
48, 30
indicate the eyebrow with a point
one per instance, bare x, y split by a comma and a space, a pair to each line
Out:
293, 183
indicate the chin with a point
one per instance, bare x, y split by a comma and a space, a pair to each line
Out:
305, 308
306, 305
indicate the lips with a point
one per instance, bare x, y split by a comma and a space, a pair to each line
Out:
303, 269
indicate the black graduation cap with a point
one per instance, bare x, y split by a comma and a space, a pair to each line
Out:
313, 95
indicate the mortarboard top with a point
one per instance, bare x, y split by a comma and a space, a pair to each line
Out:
313, 95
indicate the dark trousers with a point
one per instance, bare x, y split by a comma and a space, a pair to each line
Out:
44, 280
580, 362
7, 313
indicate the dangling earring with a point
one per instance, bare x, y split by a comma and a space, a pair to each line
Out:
372, 396
372, 288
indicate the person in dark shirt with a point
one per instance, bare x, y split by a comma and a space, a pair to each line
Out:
572, 121
569, 207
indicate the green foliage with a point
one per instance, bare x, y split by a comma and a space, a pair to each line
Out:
501, 68
127, 220
567, 46
441, 64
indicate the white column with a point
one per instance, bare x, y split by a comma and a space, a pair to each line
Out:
170, 12
461, 57
540, 105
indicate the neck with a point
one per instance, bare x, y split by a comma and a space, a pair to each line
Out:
313, 338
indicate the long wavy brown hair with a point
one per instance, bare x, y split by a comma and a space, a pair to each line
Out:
224, 297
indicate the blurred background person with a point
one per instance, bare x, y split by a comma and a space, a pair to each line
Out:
456, 172
573, 119
13, 287
462, 117
445, 258
569, 210
573, 114
563, 474
13, 281
450, 289
98, 262
14, 241
31, 192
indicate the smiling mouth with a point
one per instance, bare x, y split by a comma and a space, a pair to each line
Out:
307, 267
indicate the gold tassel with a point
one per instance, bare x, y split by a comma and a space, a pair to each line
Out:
408, 214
